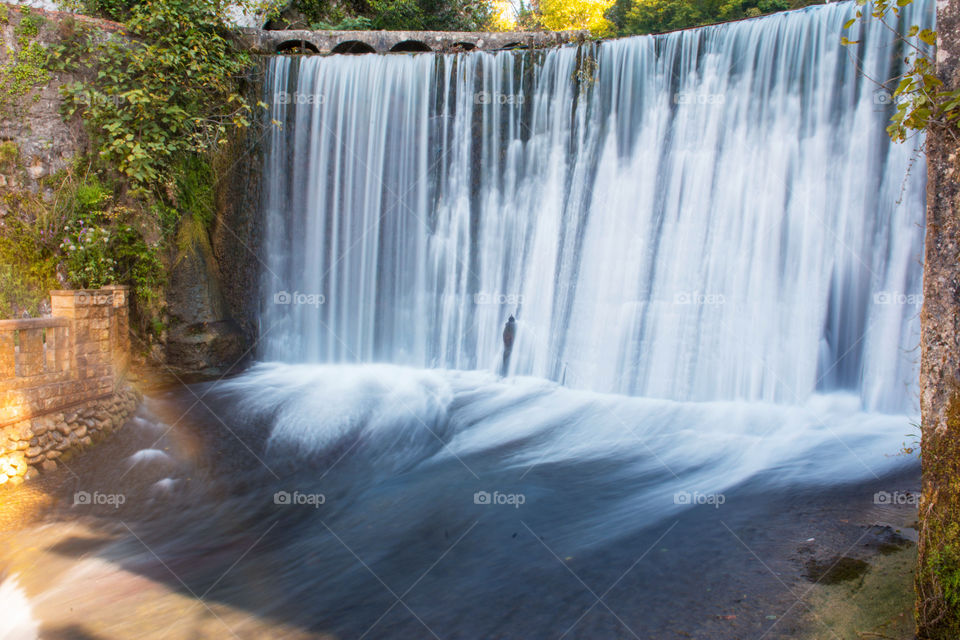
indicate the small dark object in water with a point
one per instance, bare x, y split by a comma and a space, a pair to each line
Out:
509, 333
836, 569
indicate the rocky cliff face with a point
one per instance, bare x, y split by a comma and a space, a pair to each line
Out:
38, 143
938, 575
236, 234
214, 290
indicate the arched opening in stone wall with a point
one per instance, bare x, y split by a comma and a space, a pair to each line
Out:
410, 46
297, 47
353, 46
463, 46
513, 45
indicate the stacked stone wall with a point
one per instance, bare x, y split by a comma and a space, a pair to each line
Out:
61, 380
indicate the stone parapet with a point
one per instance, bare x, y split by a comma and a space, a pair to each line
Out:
61, 379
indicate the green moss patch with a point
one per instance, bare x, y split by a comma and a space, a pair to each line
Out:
836, 569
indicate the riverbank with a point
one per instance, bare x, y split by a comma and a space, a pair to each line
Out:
874, 600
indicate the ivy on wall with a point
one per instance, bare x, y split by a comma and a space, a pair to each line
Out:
25, 67
167, 90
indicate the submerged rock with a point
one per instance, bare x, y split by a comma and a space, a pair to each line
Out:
836, 569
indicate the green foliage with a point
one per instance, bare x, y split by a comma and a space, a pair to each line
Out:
921, 101
354, 15
27, 268
140, 265
118, 10
25, 68
195, 188
346, 24
938, 575
9, 154
169, 92
101, 242
86, 252
455, 15
397, 15
656, 16
945, 563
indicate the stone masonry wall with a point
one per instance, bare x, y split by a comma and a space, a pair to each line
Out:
44, 143
61, 385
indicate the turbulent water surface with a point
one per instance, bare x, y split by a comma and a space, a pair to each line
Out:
713, 253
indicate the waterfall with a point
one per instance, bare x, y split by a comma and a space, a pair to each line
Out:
711, 214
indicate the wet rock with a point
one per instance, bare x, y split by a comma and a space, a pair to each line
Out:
835, 570
885, 539
202, 340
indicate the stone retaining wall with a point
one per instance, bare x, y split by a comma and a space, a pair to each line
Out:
61, 380
39, 444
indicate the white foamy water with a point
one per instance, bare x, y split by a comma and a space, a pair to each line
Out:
369, 423
17, 621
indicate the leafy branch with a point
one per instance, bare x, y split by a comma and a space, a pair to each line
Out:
921, 101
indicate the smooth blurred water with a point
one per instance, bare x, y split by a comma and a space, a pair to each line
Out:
713, 214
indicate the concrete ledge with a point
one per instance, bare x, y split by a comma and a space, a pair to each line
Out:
260, 41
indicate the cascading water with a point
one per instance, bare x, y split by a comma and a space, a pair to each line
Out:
708, 214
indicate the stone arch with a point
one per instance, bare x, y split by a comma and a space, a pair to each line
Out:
463, 46
297, 46
353, 46
513, 45
410, 46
